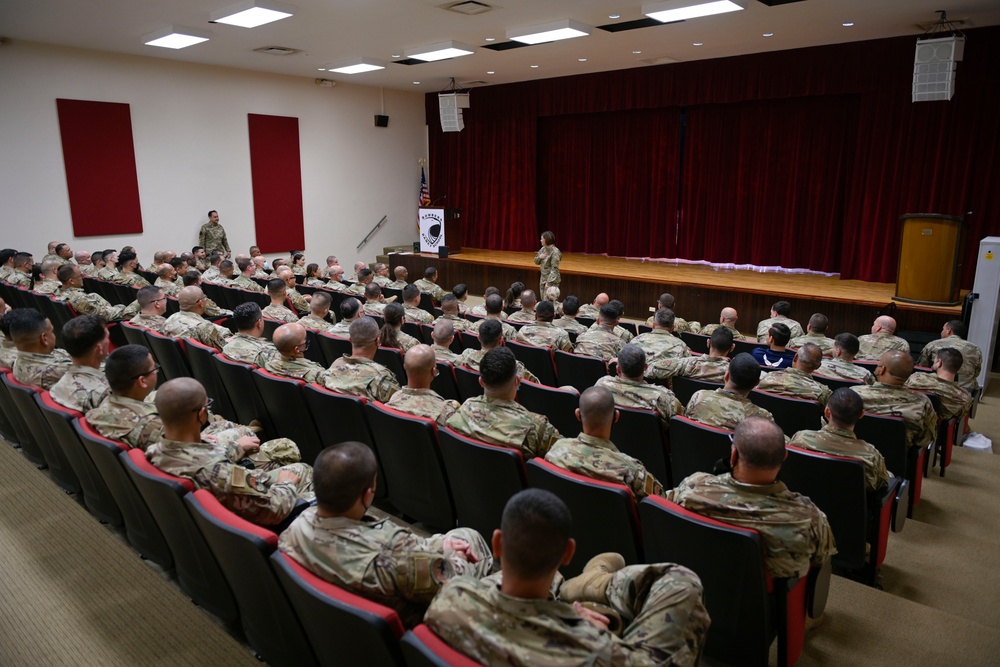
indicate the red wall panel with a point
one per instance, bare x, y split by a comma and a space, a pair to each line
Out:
277, 182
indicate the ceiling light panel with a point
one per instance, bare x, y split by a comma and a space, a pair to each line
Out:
440, 51
356, 66
681, 10
252, 13
549, 32
175, 37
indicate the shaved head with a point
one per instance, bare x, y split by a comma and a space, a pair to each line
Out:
190, 296
420, 363
287, 337
177, 399
444, 331
809, 357
528, 298
884, 323
597, 407
898, 364
601, 299
728, 315
760, 443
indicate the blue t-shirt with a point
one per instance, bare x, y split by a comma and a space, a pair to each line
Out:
769, 358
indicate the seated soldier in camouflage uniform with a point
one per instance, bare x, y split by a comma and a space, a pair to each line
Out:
837, 437
245, 279
21, 273
493, 308
336, 274
227, 272
667, 301
490, 336
780, 312
601, 341
365, 276
88, 262
263, 494
842, 366
619, 331
429, 284
461, 292
401, 275
797, 381
340, 541
299, 303
552, 295
417, 397
192, 278
630, 390
889, 396
882, 339
38, 362
249, 345
661, 343
480, 310
816, 334
277, 310
392, 334
71, 291
443, 334
381, 277
166, 280
7, 263
152, 305
496, 417
953, 335
411, 306
189, 323
213, 272
955, 400
594, 455
84, 386
127, 275
359, 374
450, 308
570, 308
110, 261
48, 283
527, 313
592, 310
796, 534
8, 351
374, 301
291, 342
729, 405
727, 319
542, 332
319, 309
350, 311
526, 617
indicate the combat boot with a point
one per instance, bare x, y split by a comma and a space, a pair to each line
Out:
592, 584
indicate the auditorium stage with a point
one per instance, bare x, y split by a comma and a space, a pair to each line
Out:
701, 291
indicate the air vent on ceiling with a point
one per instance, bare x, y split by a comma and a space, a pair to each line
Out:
468, 7
472, 84
277, 50
659, 60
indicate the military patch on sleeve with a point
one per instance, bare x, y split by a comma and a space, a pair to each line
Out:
237, 478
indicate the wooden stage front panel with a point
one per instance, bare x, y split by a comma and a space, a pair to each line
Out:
701, 291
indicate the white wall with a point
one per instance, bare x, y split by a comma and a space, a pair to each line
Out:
189, 125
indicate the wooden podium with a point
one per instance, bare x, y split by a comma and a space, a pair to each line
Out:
930, 259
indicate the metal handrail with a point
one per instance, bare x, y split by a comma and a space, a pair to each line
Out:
374, 229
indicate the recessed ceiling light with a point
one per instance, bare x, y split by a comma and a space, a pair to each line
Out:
583, 60
490, 39
490, 72
396, 55
847, 24
440, 51
636, 52
768, 34
699, 43
534, 67
175, 37
252, 13
614, 16
680, 10
549, 32
321, 69
356, 66
416, 83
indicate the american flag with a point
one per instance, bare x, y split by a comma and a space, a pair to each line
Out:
425, 193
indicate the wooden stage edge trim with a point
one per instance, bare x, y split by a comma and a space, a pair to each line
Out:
788, 285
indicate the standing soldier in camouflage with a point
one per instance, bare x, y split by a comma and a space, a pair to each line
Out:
816, 333
796, 381
661, 343
548, 259
837, 437
71, 291
889, 396
319, 309
189, 323
601, 340
359, 374
264, 495
248, 345
796, 534
953, 335
531, 617
212, 236
84, 386
842, 366
490, 336
727, 406
542, 332
496, 417
709, 367
417, 397
570, 308
277, 310
955, 400
152, 305
881, 340
728, 318
630, 390
127, 275
291, 342
780, 312
594, 455
38, 363
340, 541
429, 284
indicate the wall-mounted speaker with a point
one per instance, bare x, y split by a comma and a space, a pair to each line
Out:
381, 121
934, 66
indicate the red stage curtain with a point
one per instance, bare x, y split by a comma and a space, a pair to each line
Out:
607, 183
100, 167
276, 173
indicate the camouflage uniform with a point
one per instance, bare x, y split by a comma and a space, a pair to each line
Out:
764, 325
915, 409
341, 329
382, 561
569, 324
522, 317
680, 325
314, 282
660, 603
509, 332
382, 281
639, 394
795, 533
168, 287
708, 329
548, 268
843, 442
255, 495
47, 286
20, 278
704, 367
279, 313
661, 344
589, 311
406, 341
845, 370
41, 370
796, 384
470, 359
6, 273
8, 353
955, 400
619, 331
317, 324
444, 353
300, 369
825, 344
972, 359
397, 284
136, 423
600, 342
299, 302
360, 376
431, 288
598, 458
212, 309
336, 286
545, 334
211, 274
53, 257
418, 315
192, 325
89, 304
250, 350
424, 403
459, 323
357, 289
242, 282
873, 346
82, 388
130, 279
374, 308
501, 422
723, 408
149, 321
213, 237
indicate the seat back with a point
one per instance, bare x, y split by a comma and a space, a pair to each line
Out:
836, 383
21, 433
695, 447
640, 434
8, 414
52, 454
888, 435
604, 513
135, 334
684, 387
333, 347
124, 294
536, 359
143, 532
243, 551
745, 346
558, 404
470, 340
216, 293
392, 358
445, 382
314, 352
579, 371
695, 342
203, 368
411, 462
198, 571
269, 327
427, 334
237, 379
423, 648
482, 478
791, 414
343, 628
468, 383
169, 353
288, 411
